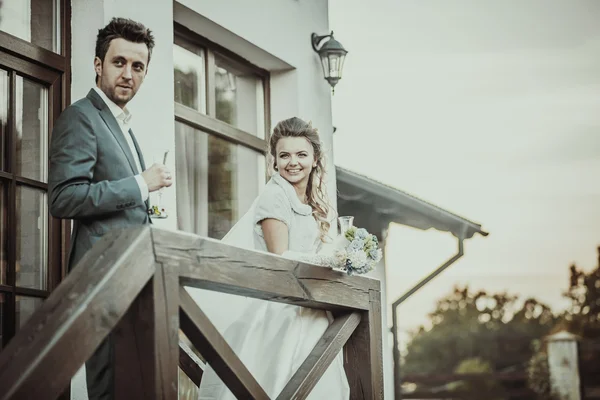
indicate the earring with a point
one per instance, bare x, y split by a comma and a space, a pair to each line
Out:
276, 169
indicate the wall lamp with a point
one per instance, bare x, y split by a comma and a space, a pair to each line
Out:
332, 55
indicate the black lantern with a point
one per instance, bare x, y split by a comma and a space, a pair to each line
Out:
332, 55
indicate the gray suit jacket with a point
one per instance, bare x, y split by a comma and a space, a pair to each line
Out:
92, 174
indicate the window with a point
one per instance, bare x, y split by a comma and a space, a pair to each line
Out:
34, 21
239, 98
220, 135
33, 91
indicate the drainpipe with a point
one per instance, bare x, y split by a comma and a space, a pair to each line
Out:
400, 300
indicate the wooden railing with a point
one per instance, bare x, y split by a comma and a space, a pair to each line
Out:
131, 284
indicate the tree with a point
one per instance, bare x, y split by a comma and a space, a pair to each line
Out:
473, 389
583, 315
583, 319
492, 327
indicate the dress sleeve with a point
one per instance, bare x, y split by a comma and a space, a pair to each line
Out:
272, 203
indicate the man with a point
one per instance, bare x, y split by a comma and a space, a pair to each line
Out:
97, 175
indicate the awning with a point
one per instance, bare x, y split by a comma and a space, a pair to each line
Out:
374, 205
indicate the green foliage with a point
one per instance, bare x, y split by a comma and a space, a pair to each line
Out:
473, 389
350, 233
583, 316
484, 332
538, 375
492, 327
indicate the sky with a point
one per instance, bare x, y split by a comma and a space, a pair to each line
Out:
488, 110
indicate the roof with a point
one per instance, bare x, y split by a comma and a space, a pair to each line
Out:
375, 205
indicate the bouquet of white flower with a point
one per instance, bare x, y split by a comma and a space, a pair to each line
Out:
354, 251
357, 251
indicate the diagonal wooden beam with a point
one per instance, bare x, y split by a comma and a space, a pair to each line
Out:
209, 342
319, 359
190, 364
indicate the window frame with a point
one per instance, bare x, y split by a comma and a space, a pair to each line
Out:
208, 122
52, 70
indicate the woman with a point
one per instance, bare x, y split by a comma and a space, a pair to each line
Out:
289, 218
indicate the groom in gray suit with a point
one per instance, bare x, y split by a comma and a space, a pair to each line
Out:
97, 174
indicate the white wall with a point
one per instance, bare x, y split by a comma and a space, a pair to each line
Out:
152, 107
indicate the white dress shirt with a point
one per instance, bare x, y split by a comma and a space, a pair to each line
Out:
123, 117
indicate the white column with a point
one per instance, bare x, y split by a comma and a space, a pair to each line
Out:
563, 365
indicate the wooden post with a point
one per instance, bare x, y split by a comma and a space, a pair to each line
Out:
363, 360
134, 351
146, 342
166, 286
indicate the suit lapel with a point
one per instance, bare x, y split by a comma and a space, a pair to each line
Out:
142, 163
114, 127
138, 150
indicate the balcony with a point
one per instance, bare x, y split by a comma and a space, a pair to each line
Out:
131, 284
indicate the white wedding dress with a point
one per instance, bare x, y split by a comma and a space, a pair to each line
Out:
272, 339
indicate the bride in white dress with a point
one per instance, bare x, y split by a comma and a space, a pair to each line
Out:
289, 218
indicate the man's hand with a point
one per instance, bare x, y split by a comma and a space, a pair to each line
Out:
157, 177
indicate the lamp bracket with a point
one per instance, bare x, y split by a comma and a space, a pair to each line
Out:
317, 39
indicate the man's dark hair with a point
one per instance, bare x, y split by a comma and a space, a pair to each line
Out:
123, 28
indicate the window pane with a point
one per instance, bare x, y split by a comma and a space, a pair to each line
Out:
32, 238
190, 80
3, 234
32, 130
222, 190
234, 179
25, 306
239, 98
191, 168
217, 181
36, 21
251, 178
3, 115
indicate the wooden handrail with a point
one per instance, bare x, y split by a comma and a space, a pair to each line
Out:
131, 284
63, 333
210, 264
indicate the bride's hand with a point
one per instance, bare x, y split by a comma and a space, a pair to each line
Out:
316, 259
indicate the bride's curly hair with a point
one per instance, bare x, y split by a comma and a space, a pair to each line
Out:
316, 190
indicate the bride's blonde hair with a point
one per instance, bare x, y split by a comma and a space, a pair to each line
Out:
316, 190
